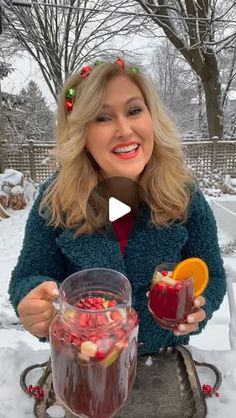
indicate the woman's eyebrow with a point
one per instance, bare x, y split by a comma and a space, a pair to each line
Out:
107, 106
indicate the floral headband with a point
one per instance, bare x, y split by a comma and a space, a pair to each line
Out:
84, 72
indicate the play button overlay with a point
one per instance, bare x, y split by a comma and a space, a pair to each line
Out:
117, 209
111, 199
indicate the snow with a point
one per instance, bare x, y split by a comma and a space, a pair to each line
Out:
18, 349
29, 191
2, 193
56, 411
46, 160
224, 210
231, 95
17, 189
149, 361
13, 177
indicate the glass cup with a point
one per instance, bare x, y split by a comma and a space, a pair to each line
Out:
170, 303
94, 351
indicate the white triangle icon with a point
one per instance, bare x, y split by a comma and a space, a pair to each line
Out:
117, 209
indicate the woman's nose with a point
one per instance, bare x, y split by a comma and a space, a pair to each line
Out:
123, 128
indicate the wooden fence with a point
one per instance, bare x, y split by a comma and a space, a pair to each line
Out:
205, 156
202, 156
32, 158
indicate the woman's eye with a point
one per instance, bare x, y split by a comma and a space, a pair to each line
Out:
135, 111
103, 118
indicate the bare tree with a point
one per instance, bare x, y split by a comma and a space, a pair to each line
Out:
62, 35
179, 87
230, 78
199, 29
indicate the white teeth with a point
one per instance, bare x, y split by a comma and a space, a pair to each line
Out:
126, 149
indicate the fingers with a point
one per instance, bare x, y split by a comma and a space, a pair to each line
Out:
40, 327
192, 323
36, 310
193, 319
47, 315
33, 306
199, 301
46, 291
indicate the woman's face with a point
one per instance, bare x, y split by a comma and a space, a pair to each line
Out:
121, 138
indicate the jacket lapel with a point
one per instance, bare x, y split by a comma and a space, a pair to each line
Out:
92, 250
147, 247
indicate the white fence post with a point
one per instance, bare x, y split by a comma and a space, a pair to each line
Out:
230, 278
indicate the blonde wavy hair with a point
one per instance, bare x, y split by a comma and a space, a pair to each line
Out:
165, 179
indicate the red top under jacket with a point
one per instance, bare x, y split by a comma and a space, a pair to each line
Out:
122, 228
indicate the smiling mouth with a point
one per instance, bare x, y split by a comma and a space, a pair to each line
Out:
126, 150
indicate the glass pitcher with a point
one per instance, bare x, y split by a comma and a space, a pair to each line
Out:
94, 343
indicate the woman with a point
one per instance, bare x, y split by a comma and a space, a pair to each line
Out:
110, 123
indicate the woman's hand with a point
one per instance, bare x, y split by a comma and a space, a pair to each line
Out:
193, 319
36, 309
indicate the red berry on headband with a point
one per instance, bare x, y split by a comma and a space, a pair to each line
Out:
85, 71
120, 62
68, 105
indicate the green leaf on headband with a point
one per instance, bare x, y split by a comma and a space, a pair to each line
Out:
70, 93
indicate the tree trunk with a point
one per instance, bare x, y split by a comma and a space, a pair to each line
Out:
1, 132
212, 88
1, 142
195, 40
1, 155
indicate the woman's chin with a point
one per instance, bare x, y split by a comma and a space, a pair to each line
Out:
130, 174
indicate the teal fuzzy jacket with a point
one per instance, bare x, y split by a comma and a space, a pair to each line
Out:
54, 253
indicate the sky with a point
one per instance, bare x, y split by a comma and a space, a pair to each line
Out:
26, 69
18, 349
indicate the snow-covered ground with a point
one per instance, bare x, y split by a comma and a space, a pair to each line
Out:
18, 349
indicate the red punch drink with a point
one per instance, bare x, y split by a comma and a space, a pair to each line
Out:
94, 343
170, 301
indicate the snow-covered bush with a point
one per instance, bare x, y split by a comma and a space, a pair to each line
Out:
211, 182
228, 248
16, 190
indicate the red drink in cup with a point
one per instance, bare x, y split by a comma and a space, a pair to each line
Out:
170, 301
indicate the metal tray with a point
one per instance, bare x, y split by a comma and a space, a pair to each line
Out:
169, 388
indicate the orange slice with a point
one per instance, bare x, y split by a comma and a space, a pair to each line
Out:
193, 267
